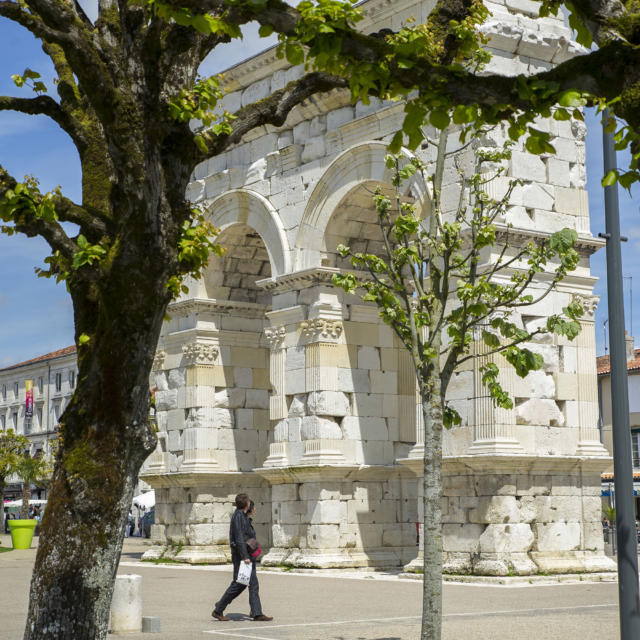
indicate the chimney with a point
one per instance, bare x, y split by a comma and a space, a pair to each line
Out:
629, 342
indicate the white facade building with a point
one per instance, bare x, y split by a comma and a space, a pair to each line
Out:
54, 377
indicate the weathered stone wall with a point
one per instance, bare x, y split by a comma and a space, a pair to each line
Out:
272, 381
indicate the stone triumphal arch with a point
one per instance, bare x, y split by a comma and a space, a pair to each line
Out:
272, 381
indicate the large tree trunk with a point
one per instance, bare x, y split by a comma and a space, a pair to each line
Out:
432, 500
105, 437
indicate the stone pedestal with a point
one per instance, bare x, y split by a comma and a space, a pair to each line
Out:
341, 517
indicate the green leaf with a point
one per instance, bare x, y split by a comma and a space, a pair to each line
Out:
294, 53
83, 339
265, 30
610, 179
439, 119
572, 99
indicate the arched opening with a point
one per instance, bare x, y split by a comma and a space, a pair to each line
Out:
233, 276
355, 224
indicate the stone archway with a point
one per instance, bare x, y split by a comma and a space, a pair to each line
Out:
358, 165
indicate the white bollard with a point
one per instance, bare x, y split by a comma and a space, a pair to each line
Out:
126, 605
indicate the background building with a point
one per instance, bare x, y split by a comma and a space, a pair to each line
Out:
53, 377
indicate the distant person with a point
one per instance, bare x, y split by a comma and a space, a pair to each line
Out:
240, 530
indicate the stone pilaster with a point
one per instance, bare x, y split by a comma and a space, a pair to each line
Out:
493, 426
587, 381
277, 402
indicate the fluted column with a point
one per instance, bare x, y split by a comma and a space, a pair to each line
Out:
493, 426
279, 449
587, 381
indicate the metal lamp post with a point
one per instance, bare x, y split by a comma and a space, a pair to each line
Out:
625, 509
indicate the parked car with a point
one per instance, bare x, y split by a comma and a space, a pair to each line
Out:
147, 520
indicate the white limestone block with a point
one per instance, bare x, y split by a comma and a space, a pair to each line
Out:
160, 380
538, 196
295, 381
243, 377
200, 534
558, 172
166, 400
495, 509
298, 406
506, 538
301, 132
503, 63
232, 101
339, 116
257, 91
368, 358
323, 536
245, 419
577, 176
177, 378
257, 399
557, 536
295, 358
566, 149
574, 202
223, 417
175, 419
369, 404
313, 149
350, 380
174, 441
541, 385
549, 355
527, 166
284, 492
502, 35
126, 604
383, 381
326, 512
461, 537
316, 428
328, 403
230, 398
285, 535
539, 411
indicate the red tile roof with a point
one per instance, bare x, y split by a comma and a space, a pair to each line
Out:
67, 351
604, 366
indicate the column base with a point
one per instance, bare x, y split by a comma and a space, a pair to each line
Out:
416, 565
331, 558
495, 446
206, 554
592, 449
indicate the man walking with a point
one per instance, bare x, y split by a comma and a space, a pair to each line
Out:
241, 530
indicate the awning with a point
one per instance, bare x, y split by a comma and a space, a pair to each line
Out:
145, 500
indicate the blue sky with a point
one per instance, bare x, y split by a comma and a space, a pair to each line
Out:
35, 313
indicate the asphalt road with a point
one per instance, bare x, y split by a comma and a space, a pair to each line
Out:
317, 607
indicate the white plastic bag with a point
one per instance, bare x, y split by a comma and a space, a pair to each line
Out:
244, 573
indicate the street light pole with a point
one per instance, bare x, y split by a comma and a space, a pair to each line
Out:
625, 509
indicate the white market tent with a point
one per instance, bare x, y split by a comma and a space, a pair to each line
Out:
18, 503
145, 500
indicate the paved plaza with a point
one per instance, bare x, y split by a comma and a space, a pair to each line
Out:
328, 607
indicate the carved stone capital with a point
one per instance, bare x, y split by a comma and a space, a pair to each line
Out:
321, 329
158, 360
198, 353
588, 303
275, 336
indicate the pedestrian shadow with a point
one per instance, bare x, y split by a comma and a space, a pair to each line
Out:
238, 617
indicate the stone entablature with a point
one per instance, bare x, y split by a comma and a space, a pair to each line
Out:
271, 379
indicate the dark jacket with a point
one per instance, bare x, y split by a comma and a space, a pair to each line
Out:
240, 530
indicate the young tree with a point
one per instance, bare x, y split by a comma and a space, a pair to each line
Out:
127, 90
446, 284
11, 446
31, 470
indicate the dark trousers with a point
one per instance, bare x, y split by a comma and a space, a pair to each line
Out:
235, 589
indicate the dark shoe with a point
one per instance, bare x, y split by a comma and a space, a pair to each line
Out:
262, 618
220, 616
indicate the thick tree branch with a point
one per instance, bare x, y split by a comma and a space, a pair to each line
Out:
272, 110
43, 105
31, 225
